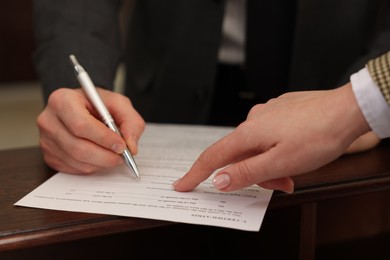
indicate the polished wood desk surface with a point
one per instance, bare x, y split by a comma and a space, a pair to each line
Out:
22, 170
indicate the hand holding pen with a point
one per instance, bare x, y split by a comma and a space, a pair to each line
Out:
94, 97
73, 138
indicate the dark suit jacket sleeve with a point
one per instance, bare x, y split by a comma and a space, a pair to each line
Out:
378, 40
87, 28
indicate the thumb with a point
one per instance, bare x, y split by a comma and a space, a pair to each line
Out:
285, 184
265, 169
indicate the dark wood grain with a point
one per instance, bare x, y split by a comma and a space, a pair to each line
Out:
349, 175
21, 171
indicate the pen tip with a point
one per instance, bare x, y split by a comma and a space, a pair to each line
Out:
73, 59
136, 174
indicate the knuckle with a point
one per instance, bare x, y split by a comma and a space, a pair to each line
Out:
274, 100
246, 134
243, 128
79, 128
204, 160
46, 131
77, 152
61, 99
141, 124
119, 99
124, 99
114, 160
56, 97
245, 176
41, 122
255, 109
87, 169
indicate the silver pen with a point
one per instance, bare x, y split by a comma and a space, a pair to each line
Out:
94, 97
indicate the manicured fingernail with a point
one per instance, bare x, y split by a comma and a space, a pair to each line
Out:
118, 148
221, 181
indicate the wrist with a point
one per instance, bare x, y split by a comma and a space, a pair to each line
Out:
372, 103
353, 116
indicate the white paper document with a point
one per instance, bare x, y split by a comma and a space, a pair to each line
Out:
166, 152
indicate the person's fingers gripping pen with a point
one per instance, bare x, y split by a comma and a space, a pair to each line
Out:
57, 143
68, 122
129, 121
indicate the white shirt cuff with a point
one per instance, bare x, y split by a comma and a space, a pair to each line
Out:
372, 103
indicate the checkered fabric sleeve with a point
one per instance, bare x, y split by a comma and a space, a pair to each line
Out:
379, 69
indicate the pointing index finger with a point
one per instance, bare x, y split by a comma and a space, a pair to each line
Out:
228, 149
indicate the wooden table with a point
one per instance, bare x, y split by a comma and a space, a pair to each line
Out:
289, 228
